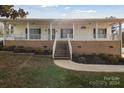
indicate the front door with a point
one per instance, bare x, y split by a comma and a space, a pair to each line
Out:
53, 34
66, 32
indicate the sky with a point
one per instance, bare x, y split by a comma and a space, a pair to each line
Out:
73, 11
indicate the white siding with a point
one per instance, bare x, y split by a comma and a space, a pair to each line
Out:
79, 34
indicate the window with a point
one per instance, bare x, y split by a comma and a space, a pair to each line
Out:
66, 32
102, 33
12, 29
34, 33
53, 34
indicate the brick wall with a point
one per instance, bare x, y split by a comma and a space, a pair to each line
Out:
34, 44
89, 47
79, 47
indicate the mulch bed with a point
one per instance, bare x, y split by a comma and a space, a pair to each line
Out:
91, 59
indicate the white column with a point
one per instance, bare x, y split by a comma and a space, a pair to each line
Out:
28, 29
96, 30
120, 32
120, 35
50, 31
73, 30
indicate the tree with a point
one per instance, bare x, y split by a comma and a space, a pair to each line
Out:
111, 17
8, 11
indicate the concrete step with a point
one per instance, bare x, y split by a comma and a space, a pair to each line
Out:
59, 58
62, 51
61, 46
60, 55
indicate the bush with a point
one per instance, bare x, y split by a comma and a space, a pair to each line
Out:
47, 52
7, 48
1, 47
21, 49
121, 59
75, 57
104, 56
113, 59
11, 48
38, 51
28, 50
82, 60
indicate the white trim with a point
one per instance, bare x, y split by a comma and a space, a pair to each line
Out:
120, 35
73, 30
70, 47
96, 30
50, 31
120, 32
54, 47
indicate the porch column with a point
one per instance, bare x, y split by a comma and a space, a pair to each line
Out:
50, 31
28, 29
120, 34
73, 30
96, 30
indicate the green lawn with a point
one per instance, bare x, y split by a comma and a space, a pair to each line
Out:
17, 70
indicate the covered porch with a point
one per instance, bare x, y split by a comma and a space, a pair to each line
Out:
49, 29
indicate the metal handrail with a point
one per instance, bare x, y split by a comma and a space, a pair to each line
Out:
70, 47
54, 47
46, 37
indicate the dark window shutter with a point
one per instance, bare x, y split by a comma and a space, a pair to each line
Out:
26, 32
94, 33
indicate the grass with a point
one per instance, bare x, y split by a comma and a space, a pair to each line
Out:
17, 70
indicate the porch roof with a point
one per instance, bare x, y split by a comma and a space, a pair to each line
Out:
55, 20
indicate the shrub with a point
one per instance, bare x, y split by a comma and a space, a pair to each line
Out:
47, 52
28, 50
121, 59
82, 60
7, 48
110, 59
1, 47
82, 55
19, 46
21, 49
38, 51
113, 59
11, 48
75, 57
104, 56
94, 54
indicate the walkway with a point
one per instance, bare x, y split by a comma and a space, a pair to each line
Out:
68, 64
